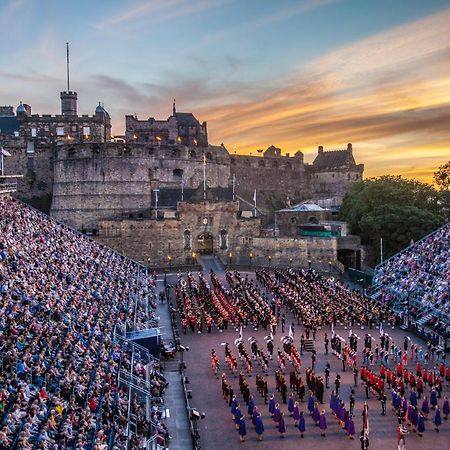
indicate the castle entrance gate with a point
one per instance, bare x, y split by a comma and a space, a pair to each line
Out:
205, 243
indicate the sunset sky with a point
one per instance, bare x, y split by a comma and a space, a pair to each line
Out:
296, 74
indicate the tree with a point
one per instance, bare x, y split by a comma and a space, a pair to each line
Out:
442, 176
392, 208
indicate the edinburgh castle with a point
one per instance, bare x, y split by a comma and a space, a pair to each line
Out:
162, 193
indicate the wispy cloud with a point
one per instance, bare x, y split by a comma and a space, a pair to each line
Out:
156, 11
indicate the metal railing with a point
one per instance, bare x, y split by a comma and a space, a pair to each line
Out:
7, 188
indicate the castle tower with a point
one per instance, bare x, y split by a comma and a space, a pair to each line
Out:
68, 98
69, 103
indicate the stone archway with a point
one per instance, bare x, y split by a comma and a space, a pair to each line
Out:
205, 243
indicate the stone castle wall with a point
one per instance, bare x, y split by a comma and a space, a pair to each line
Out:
177, 237
154, 241
275, 179
35, 163
95, 182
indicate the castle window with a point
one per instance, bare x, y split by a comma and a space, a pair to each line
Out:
60, 131
178, 173
223, 239
74, 128
356, 176
150, 174
208, 155
176, 153
192, 154
33, 132
187, 240
86, 131
261, 163
293, 220
348, 176
233, 161
313, 220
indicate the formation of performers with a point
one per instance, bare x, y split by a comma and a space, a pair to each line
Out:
316, 302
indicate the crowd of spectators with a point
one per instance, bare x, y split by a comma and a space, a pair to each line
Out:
63, 300
419, 275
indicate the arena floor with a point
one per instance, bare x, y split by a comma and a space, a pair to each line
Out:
217, 430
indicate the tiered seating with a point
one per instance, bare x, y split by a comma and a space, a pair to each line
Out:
419, 277
63, 298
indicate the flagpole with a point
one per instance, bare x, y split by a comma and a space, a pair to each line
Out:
254, 203
204, 177
182, 188
234, 187
381, 250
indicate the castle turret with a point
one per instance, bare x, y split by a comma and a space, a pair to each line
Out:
69, 103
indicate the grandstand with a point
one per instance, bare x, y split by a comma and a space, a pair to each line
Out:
69, 377
415, 284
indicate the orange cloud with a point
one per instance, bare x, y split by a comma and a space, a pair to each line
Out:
388, 94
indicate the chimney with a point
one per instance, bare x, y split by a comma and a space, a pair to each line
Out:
349, 148
320, 149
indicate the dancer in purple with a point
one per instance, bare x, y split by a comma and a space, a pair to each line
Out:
272, 405
322, 423
437, 419
237, 417
433, 399
425, 407
291, 404
301, 424
255, 415
420, 424
350, 427
259, 427
242, 429
234, 404
251, 406
316, 414
281, 426
446, 408
277, 413
311, 403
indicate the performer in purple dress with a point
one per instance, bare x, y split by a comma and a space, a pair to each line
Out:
291, 404
433, 398
272, 405
255, 415
413, 398
322, 423
311, 403
251, 406
281, 426
333, 402
350, 427
437, 419
301, 424
420, 424
242, 429
237, 417
316, 414
277, 413
234, 404
446, 408
259, 427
